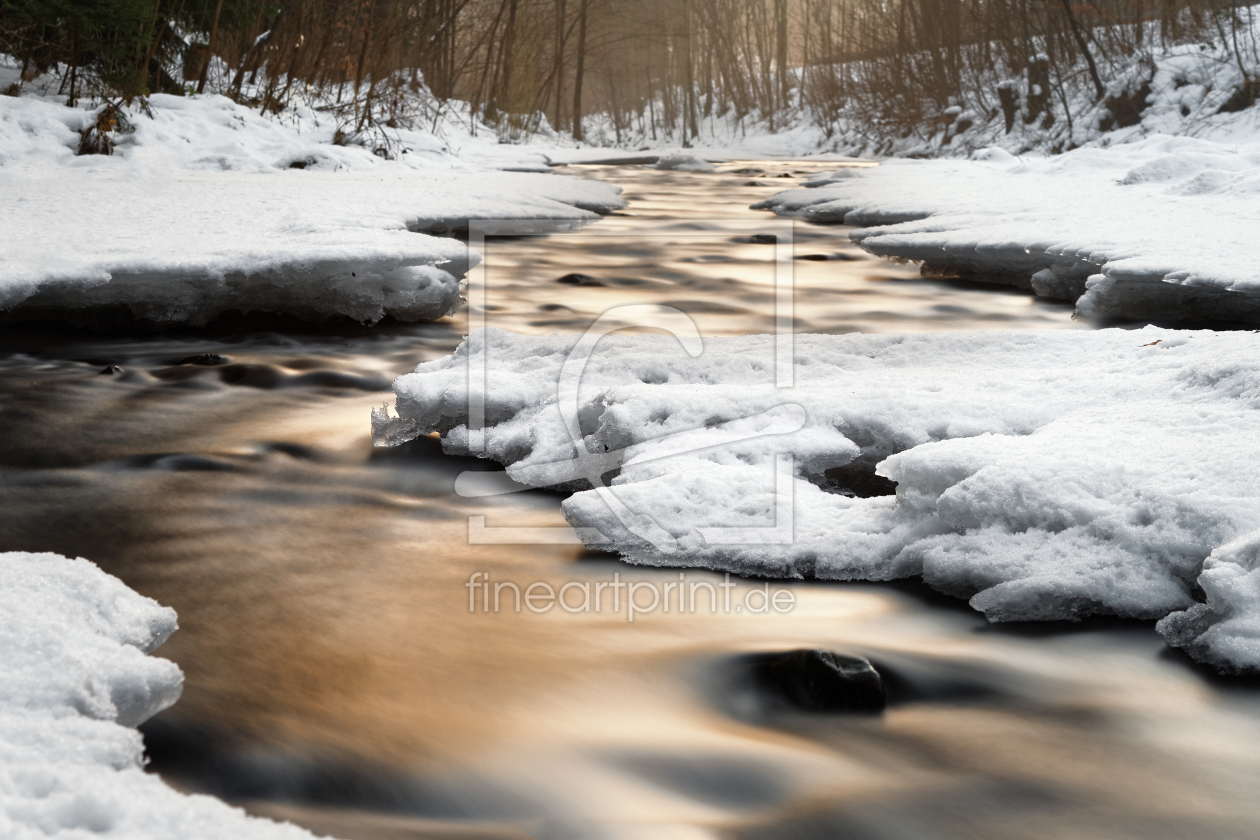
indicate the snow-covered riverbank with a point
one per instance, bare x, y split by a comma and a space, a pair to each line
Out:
75, 680
207, 207
1159, 229
1044, 475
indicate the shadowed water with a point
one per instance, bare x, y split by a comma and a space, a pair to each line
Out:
335, 673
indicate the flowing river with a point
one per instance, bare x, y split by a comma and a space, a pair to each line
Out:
336, 676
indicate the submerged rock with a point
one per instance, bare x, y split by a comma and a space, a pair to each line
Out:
819, 681
576, 279
206, 359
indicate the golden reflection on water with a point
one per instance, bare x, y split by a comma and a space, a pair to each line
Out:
340, 680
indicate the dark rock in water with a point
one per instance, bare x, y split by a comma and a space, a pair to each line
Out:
858, 480
579, 280
819, 681
207, 359
784, 175
253, 376
751, 170
763, 239
177, 462
753, 184
112, 370
840, 255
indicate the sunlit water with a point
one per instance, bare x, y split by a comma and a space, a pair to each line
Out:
336, 677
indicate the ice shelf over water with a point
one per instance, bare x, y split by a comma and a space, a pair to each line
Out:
207, 207
75, 680
1043, 475
1162, 228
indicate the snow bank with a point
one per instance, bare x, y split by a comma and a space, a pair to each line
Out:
207, 207
1159, 229
1182, 89
1225, 631
683, 162
1042, 475
74, 682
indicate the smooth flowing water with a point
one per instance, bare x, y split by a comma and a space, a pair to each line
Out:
337, 677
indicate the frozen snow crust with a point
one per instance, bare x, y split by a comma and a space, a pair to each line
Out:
1160, 229
200, 211
1043, 475
75, 679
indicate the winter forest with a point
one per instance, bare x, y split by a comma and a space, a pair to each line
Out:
629, 419
870, 75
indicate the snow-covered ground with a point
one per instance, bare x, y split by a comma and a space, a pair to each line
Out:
1043, 475
1181, 89
75, 680
206, 206
1162, 228
1172, 88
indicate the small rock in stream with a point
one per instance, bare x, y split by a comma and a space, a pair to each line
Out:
753, 184
112, 370
579, 280
206, 359
819, 681
857, 480
839, 255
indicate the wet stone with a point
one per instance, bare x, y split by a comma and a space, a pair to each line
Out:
206, 359
857, 480
839, 255
819, 681
753, 184
576, 279
112, 370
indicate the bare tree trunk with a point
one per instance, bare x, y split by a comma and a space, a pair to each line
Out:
503, 99
214, 34
581, 69
781, 49
689, 81
250, 50
560, 39
1080, 41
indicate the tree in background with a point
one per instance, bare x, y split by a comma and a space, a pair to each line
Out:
633, 69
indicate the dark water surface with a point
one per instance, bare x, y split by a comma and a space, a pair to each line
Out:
336, 677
